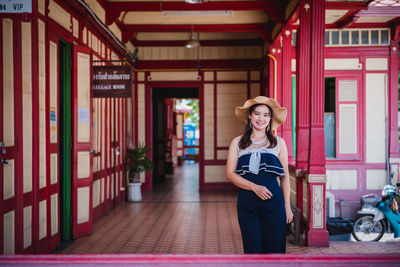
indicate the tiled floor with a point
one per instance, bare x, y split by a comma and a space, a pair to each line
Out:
176, 218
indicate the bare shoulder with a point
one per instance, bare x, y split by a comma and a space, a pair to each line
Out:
235, 141
281, 141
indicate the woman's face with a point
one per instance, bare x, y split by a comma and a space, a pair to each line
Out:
260, 117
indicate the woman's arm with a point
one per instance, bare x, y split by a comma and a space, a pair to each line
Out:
261, 191
285, 179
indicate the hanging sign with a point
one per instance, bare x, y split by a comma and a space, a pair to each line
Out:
112, 81
15, 6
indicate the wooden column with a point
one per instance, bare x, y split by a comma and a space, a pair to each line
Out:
302, 99
317, 234
287, 88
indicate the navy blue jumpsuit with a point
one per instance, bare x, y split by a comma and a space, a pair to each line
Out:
262, 222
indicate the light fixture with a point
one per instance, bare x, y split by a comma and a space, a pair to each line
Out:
195, 1
192, 43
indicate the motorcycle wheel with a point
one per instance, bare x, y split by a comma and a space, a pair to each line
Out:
362, 229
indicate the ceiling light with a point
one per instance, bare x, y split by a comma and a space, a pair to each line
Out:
195, 1
192, 43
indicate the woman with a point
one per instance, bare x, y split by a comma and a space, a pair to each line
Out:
255, 159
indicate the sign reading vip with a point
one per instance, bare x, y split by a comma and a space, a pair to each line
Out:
15, 6
112, 81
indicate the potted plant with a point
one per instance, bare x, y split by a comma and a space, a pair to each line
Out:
137, 162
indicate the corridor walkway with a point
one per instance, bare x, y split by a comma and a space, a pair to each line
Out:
176, 218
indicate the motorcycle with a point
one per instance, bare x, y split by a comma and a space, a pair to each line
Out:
378, 215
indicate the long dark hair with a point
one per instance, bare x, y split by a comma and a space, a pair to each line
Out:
245, 141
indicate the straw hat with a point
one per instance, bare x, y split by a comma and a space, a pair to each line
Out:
279, 113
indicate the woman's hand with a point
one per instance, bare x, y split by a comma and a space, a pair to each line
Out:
261, 191
289, 213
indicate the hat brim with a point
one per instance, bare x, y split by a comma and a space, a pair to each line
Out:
279, 113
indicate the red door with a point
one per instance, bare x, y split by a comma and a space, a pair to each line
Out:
82, 142
10, 197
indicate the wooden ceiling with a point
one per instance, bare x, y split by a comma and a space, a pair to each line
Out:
170, 22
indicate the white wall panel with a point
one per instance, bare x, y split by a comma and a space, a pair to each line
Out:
229, 96
83, 164
54, 213
348, 128
375, 117
342, 64
53, 168
108, 188
254, 90
232, 75
222, 154
112, 185
27, 105
376, 179
42, 104
8, 83
83, 100
341, 179
9, 179
96, 193
141, 114
27, 226
214, 174
9, 232
83, 204
53, 76
101, 190
174, 76
376, 63
209, 76
209, 121
42, 219
60, 15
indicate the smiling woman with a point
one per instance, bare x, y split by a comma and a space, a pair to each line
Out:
254, 161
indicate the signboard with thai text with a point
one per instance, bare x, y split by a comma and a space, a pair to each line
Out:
15, 6
112, 81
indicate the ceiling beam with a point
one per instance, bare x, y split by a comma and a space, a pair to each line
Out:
114, 9
349, 18
351, 6
390, 11
129, 31
235, 42
204, 64
182, 6
195, 27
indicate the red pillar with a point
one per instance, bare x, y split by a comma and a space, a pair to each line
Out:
287, 88
303, 85
393, 97
302, 98
393, 94
317, 234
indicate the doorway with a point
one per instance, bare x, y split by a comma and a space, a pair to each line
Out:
65, 138
164, 134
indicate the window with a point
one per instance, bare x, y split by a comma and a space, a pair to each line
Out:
356, 37
335, 37
341, 117
345, 37
330, 117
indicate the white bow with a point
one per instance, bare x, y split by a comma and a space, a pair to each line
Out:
254, 163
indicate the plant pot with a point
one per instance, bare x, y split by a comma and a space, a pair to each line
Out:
134, 192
